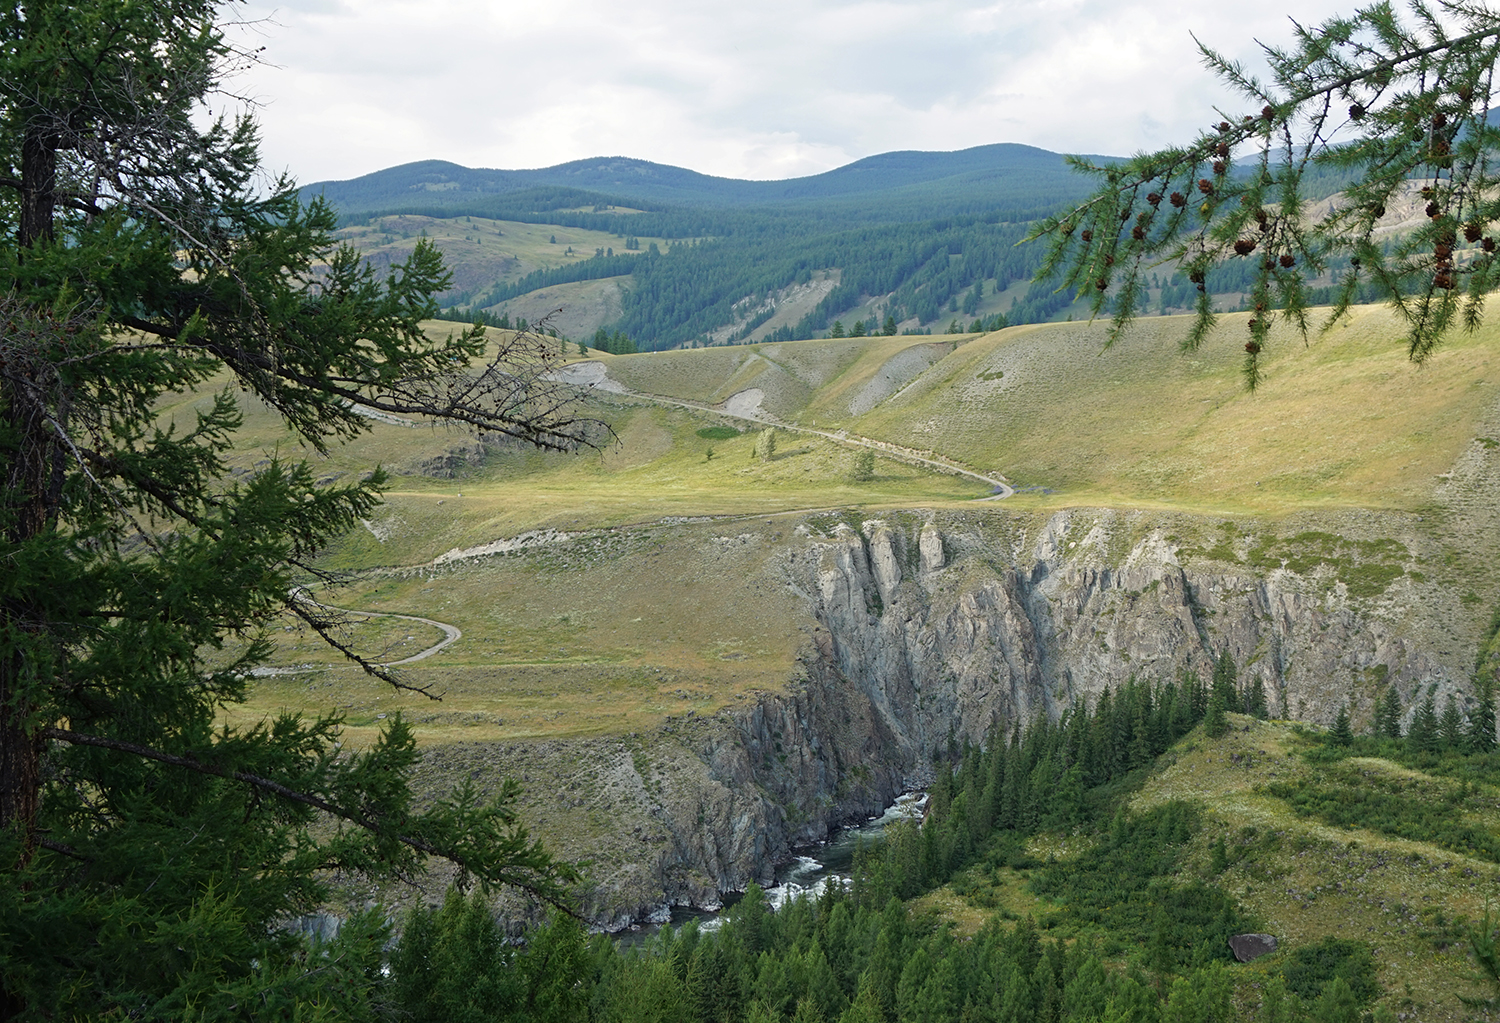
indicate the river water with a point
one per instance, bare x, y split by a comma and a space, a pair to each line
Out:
810, 871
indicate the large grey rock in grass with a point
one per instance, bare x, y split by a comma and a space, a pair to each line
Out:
1252, 946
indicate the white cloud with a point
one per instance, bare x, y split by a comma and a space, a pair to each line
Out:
770, 89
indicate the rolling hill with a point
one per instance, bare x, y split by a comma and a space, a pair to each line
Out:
890, 185
924, 238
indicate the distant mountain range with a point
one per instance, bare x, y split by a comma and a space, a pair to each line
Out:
906, 240
1000, 173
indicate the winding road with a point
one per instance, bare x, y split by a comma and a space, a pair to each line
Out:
594, 374
451, 633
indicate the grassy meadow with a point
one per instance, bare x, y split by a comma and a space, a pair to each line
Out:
632, 607
564, 640
1344, 420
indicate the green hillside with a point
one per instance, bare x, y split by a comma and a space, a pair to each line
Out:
1339, 428
723, 254
918, 241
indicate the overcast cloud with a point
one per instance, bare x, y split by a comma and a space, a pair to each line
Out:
767, 89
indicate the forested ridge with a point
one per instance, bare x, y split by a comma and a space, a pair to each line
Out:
1134, 927
922, 235
918, 231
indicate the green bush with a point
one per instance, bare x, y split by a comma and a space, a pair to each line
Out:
1311, 967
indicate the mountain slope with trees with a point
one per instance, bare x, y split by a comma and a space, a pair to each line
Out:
917, 231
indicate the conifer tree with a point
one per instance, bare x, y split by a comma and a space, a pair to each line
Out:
1255, 700
1340, 734
1422, 737
1481, 734
1388, 717
1451, 726
1225, 682
144, 255
1383, 99
1214, 722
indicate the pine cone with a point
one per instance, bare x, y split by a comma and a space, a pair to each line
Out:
1434, 210
1269, 113
1356, 112
1220, 166
1244, 246
1178, 199
1488, 245
1288, 260
1087, 236
1471, 232
1154, 199
1205, 186
1253, 347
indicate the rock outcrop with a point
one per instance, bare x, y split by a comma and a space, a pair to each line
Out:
955, 648
930, 631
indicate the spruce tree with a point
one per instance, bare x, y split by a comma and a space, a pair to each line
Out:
1388, 717
1341, 734
152, 855
1481, 734
1451, 726
1423, 734
1255, 700
1215, 723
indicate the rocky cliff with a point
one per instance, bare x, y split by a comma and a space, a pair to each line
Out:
927, 629
950, 628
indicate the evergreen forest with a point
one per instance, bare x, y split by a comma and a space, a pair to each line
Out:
926, 243
1135, 926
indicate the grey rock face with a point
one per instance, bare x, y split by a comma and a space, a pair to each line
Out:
930, 544
968, 643
927, 631
1252, 946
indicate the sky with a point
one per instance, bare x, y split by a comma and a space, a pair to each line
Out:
763, 89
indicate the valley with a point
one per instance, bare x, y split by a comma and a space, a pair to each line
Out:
697, 656
453, 594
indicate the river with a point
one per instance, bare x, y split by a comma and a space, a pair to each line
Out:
809, 871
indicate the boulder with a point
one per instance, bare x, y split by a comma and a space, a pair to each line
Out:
1252, 946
